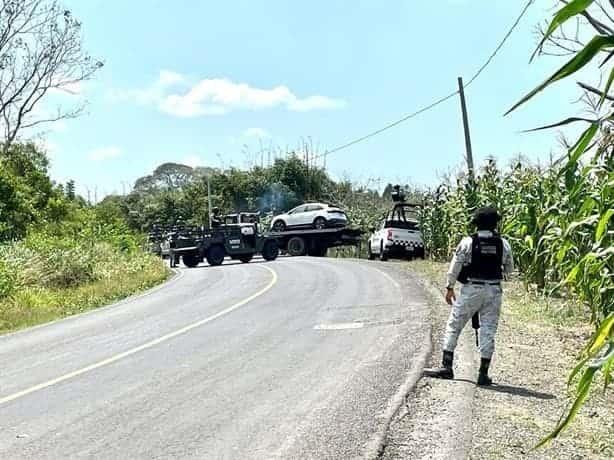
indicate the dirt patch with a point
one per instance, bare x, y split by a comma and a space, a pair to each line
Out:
536, 348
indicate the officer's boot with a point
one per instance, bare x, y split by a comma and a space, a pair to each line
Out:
483, 378
445, 371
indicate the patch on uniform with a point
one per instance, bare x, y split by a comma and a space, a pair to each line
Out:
488, 249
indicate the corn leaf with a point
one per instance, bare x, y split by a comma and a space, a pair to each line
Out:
584, 387
582, 57
603, 224
602, 334
560, 123
606, 90
570, 10
581, 146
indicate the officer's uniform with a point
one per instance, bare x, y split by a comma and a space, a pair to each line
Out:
479, 263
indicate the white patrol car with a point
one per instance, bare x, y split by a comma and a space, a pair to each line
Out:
397, 235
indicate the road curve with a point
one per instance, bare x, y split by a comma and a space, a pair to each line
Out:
292, 359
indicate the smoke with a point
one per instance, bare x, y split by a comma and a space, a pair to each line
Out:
277, 198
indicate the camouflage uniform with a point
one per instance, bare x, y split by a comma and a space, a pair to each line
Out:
483, 298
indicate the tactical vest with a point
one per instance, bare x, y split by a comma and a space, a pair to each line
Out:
486, 260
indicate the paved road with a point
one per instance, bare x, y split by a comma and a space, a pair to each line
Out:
292, 359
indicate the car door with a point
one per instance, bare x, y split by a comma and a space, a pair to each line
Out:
310, 214
295, 216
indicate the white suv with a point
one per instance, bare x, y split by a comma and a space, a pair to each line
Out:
310, 215
398, 234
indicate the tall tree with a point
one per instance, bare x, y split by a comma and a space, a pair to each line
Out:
40, 51
70, 190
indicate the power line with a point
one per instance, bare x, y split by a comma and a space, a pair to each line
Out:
438, 101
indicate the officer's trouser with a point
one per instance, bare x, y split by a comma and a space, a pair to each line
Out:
473, 298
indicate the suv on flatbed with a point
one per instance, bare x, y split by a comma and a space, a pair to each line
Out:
316, 216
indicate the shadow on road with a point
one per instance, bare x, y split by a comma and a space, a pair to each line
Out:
227, 263
519, 391
512, 390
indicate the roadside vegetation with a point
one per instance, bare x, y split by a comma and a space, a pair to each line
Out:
58, 254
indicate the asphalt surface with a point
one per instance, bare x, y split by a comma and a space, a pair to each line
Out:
296, 358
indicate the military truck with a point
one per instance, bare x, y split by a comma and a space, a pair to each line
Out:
237, 237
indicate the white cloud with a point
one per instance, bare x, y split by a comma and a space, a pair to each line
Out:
258, 133
173, 94
104, 153
152, 94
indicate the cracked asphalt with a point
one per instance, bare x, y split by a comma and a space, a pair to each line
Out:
298, 358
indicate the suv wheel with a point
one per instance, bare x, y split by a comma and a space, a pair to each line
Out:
279, 226
319, 223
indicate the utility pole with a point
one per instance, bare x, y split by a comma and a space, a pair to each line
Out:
461, 91
209, 197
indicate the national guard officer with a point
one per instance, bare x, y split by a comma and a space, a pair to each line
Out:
479, 264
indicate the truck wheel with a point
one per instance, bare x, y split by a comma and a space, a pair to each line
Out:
369, 252
245, 259
279, 226
190, 260
319, 223
296, 246
215, 255
270, 250
382, 253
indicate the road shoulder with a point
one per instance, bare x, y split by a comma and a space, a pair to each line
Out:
536, 348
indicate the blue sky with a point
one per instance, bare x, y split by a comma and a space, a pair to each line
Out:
198, 81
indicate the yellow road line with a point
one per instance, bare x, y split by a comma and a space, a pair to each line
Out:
144, 346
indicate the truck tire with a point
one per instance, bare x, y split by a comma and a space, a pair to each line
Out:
319, 223
296, 246
190, 260
246, 258
383, 256
215, 255
370, 252
270, 250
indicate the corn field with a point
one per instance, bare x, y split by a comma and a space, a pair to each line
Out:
557, 218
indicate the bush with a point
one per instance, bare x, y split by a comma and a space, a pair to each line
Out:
7, 280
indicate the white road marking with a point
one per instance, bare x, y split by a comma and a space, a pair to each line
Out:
144, 346
338, 326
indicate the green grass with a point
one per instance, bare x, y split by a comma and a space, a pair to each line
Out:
32, 305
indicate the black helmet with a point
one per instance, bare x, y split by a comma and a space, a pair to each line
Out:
486, 218
215, 210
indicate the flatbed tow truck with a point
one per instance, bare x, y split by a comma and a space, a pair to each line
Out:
316, 242
238, 236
